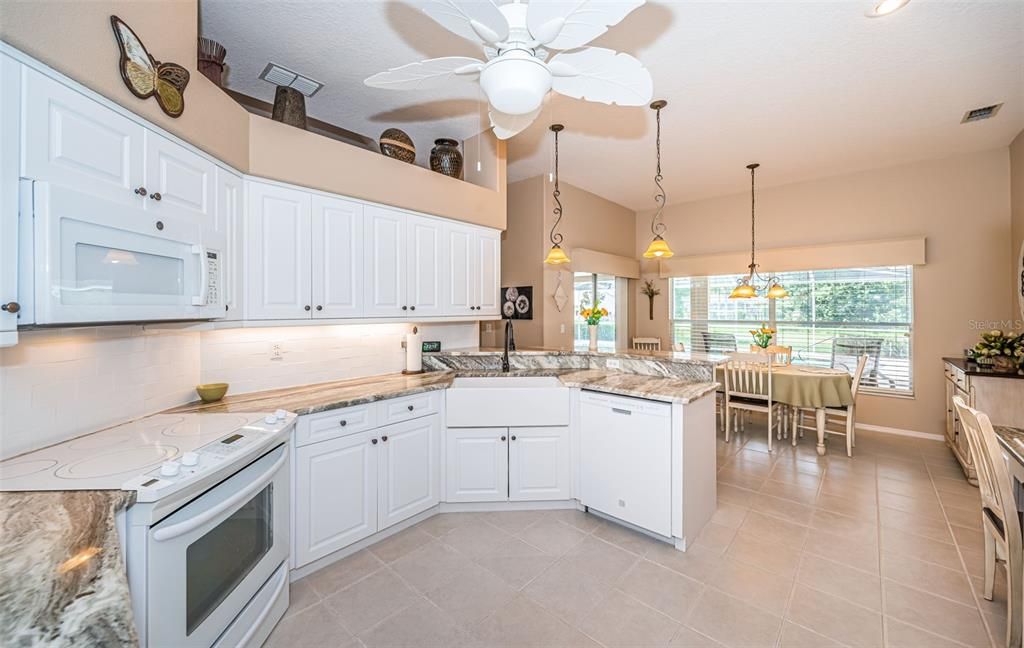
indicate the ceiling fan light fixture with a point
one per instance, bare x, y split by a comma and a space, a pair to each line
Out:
516, 84
886, 7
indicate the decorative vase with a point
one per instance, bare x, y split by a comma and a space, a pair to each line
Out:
592, 329
211, 60
1004, 364
395, 143
290, 107
445, 158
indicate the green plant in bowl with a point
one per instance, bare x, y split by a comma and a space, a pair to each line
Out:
211, 392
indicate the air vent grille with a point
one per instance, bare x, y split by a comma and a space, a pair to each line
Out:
980, 113
282, 76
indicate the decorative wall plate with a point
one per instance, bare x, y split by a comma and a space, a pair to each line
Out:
517, 302
147, 77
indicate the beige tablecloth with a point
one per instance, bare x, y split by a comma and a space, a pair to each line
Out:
804, 386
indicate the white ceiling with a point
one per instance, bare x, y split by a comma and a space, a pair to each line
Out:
808, 89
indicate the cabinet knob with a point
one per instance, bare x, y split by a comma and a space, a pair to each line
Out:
410, 408
513, 437
306, 307
160, 225
405, 308
412, 308
319, 308
384, 438
373, 441
155, 195
141, 191
343, 423
502, 438
11, 307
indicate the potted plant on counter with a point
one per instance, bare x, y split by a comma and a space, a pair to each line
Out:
593, 315
1003, 351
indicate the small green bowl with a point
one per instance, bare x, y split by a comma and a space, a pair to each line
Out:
212, 392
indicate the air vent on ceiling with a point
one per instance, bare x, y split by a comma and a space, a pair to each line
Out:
980, 113
282, 76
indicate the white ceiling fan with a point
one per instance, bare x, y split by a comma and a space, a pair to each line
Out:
516, 39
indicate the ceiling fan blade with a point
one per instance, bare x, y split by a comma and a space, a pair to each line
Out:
568, 24
603, 75
475, 20
432, 73
506, 126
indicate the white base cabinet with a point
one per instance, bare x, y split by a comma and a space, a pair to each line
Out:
349, 487
508, 464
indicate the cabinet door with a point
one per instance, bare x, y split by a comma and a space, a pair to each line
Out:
227, 236
459, 275
385, 262
179, 182
538, 463
278, 253
335, 495
488, 271
410, 469
426, 265
476, 466
337, 258
10, 78
73, 141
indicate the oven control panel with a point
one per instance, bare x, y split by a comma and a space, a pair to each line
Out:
229, 453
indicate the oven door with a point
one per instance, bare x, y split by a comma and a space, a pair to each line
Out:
99, 261
208, 559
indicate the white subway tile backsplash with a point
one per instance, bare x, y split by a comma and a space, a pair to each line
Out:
60, 383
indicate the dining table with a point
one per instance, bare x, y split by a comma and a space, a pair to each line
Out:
809, 387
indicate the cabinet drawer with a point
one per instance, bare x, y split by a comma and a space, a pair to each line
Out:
335, 423
407, 407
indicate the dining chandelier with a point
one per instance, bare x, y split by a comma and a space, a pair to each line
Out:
748, 287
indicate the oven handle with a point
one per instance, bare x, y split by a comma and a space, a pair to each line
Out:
204, 275
258, 623
181, 528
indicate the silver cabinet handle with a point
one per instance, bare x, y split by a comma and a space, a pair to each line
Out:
622, 411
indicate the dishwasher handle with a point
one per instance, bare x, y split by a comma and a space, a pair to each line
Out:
619, 410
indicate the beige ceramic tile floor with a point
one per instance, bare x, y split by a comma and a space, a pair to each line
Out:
880, 550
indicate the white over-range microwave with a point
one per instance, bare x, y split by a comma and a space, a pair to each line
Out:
83, 259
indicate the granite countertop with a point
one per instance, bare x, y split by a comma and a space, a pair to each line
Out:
653, 387
1012, 439
697, 357
62, 577
974, 369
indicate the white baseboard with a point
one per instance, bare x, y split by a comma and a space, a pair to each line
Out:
485, 507
900, 432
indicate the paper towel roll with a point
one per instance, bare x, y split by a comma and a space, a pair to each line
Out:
414, 351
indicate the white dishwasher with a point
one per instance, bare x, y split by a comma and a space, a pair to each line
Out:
626, 459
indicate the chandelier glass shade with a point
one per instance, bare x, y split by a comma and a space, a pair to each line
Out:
556, 255
658, 249
754, 284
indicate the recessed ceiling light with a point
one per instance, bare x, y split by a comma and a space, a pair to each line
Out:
886, 7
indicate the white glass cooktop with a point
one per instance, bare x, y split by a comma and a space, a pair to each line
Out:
106, 459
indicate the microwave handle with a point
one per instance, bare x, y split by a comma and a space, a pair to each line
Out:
181, 528
204, 275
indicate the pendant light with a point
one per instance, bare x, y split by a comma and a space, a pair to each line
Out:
658, 249
556, 255
747, 287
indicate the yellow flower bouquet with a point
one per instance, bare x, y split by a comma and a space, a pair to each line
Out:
763, 336
594, 313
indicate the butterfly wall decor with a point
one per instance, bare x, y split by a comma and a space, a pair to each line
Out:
147, 77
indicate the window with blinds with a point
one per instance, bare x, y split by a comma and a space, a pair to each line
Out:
830, 318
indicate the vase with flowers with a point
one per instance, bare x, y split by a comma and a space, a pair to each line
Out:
1003, 351
763, 336
593, 315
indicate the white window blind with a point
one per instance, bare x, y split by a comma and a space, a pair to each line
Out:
830, 318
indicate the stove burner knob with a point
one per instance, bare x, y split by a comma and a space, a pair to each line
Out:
280, 414
270, 418
190, 459
170, 468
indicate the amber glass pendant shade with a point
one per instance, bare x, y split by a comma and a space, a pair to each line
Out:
556, 256
743, 291
658, 249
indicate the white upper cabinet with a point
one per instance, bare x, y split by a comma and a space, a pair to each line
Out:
226, 235
385, 262
278, 241
459, 275
488, 271
74, 141
425, 250
337, 258
178, 181
10, 77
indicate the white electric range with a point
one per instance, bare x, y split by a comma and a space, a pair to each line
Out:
207, 541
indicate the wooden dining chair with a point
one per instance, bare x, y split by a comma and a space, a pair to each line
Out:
782, 355
748, 388
847, 415
646, 344
999, 518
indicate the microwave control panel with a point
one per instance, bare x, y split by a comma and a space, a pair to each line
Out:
212, 277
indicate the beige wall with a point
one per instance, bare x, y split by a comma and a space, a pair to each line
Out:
1017, 227
522, 255
961, 204
75, 38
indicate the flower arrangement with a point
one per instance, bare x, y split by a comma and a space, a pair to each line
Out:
594, 314
1004, 350
763, 336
